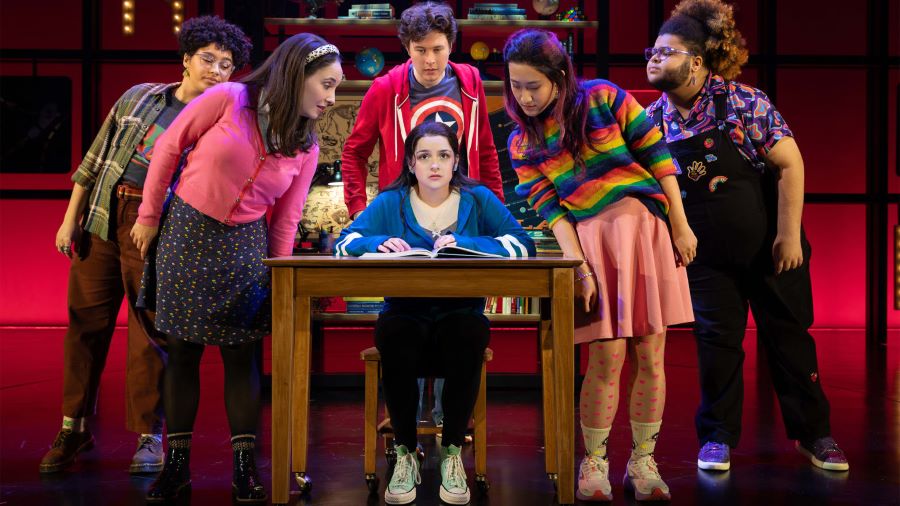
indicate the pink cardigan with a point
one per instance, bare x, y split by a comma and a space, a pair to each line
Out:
228, 175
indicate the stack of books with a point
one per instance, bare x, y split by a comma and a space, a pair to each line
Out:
370, 11
545, 242
496, 11
364, 305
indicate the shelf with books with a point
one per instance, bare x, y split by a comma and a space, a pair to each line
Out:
353, 35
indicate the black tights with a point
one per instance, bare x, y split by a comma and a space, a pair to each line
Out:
451, 347
181, 395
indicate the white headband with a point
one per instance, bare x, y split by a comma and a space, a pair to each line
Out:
321, 51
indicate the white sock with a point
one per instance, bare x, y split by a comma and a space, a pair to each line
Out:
643, 438
595, 440
74, 424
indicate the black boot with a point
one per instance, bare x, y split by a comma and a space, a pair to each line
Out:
175, 478
245, 482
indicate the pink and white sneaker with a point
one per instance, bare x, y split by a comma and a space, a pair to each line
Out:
643, 477
593, 479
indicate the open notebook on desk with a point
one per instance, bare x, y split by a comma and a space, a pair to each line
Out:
443, 252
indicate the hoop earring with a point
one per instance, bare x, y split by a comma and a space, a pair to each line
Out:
186, 73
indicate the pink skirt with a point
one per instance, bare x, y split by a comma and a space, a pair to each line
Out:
640, 289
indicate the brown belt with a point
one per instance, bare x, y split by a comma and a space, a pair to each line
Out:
126, 192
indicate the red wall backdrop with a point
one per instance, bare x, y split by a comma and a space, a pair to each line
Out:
824, 103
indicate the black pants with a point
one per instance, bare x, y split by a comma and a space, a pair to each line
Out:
451, 347
782, 308
182, 385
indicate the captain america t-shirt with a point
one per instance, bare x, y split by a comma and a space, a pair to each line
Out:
441, 103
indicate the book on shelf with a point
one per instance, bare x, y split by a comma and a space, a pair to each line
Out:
482, 5
496, 12
369, 14
443, 252
364, 305
476, 10
497, 17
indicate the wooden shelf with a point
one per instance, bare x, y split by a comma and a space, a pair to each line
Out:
371, 317
391, 24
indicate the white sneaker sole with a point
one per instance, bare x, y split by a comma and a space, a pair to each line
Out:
597, 496
145, 468
449, 498
828, 466
713, 466
657, 494
400, 498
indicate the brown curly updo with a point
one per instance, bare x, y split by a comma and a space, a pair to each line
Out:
708, 30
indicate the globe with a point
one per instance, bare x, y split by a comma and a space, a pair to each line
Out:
545, 7
369, 62
479, 51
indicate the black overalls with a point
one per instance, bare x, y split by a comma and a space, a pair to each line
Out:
731, 206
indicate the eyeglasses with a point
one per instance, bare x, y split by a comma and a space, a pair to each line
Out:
225, 65
663, 52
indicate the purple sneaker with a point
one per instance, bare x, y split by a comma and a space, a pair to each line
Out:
824, 453
714, 457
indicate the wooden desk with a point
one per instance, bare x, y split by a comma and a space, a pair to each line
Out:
296, 279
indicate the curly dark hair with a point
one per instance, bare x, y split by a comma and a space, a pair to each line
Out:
205, 30
423, 18
708, 30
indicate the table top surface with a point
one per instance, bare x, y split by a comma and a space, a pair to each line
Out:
422, 262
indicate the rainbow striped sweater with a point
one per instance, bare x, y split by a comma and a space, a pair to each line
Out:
632, 158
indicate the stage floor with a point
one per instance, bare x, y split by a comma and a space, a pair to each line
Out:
864, 390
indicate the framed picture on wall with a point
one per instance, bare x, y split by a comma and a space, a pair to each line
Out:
35, 124
40, 126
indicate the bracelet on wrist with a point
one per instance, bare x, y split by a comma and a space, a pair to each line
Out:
585, 276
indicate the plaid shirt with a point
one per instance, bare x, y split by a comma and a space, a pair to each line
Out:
112, 149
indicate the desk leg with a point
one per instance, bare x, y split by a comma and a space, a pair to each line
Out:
545, 336
282, 354
300, 391
564, 364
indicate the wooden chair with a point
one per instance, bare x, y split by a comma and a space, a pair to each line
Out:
373, 428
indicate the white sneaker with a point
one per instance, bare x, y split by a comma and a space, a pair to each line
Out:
642, 475
402, 487
593, 479
454, 489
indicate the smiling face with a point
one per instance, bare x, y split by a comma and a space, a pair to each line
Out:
207, 67
531, 88
433, 163
319, 89
666, 73
429, 58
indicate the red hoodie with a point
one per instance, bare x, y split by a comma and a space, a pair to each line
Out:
385, 116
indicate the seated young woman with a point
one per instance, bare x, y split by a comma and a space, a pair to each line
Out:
432, 205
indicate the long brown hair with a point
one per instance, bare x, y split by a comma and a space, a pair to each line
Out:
543, 51
280, 81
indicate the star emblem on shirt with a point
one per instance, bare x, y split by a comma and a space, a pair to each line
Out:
445, 119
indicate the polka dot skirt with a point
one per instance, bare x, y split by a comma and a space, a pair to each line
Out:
212, 286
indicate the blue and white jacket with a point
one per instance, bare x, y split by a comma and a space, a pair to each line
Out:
483, 224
